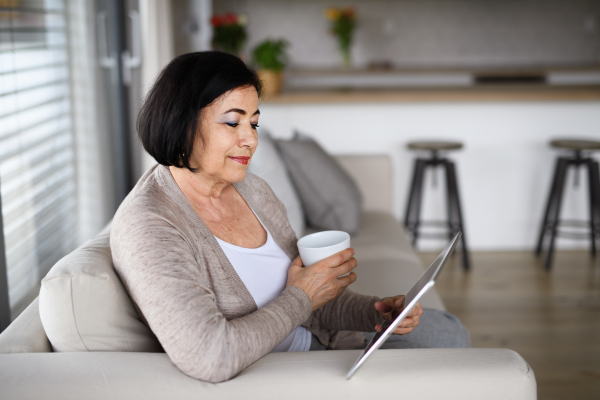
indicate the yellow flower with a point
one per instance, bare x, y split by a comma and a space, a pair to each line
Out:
332, 14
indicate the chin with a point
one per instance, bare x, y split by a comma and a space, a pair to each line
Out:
237, 176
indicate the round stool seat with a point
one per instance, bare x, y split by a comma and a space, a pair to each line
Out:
434, 145
577, 145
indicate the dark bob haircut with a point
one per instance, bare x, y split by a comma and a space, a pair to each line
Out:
169, 118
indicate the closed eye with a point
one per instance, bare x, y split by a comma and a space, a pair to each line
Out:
235, 124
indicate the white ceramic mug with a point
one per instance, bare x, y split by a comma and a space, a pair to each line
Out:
318, 246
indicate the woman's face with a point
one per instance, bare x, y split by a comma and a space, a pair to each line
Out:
228, 128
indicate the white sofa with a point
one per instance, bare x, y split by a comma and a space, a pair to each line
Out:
387, 266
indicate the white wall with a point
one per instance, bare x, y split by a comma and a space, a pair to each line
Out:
431, 33
504, 171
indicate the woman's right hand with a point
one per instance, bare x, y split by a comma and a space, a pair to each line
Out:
323, 281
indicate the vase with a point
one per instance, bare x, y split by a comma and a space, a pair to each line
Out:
345, 53
346, 61
272, 81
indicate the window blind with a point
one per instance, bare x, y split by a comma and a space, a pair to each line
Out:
38, 180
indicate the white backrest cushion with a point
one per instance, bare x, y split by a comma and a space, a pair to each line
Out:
374, 176
267, 164
84, 306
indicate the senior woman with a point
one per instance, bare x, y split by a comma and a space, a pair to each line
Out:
206, 251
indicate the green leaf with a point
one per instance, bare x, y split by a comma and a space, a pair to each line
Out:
271, 54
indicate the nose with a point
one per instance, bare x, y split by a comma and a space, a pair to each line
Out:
248, 137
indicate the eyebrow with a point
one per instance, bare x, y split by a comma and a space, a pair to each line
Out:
240, 111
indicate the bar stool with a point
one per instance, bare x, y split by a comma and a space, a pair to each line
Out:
551, 222
454, 223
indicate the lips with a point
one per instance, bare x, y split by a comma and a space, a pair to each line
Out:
241, 160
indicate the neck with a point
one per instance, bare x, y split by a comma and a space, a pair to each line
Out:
200, 189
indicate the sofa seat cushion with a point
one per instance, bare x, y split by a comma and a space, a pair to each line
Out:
84, 307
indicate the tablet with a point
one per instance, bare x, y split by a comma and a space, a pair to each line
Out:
413, 296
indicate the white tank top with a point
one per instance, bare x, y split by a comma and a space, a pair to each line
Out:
264, 272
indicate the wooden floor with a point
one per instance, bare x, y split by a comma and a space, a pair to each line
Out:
551, 319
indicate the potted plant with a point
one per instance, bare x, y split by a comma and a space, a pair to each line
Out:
229, 33
270, 58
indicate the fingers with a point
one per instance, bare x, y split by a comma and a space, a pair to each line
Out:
295, 267
413, 315
346, 267
390, 304
398, 302
324, 280
416, 312
400, 330
297, 262
409, 323
344, 281
403, 331
343, 274
407, 326
338, 259
383, 307
419, 309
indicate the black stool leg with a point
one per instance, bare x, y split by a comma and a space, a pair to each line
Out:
450, 202
561, 174
594, 181
551, 205
454, 210
413, 208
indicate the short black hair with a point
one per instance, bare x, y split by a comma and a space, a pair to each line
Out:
168, 120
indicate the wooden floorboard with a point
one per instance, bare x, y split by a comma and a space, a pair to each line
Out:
551, 318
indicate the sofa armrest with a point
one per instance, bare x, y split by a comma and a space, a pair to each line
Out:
419, 373
26, 333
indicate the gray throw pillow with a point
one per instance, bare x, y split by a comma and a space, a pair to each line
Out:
331, 198
267, 164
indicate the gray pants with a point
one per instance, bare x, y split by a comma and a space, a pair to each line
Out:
436, 329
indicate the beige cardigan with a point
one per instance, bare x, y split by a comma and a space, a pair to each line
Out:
189, 294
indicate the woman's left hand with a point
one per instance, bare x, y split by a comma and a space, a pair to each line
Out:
391, 307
